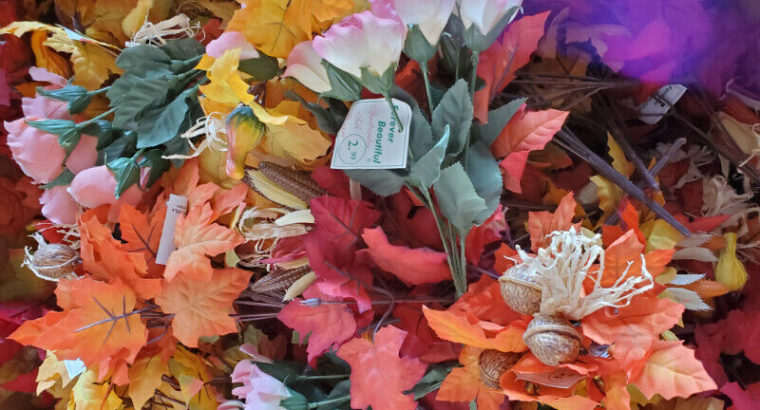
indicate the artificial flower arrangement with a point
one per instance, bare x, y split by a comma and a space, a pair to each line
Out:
407, 293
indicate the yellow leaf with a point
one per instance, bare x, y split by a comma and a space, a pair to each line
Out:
225, 86
136, 17
289, 136
730, 270
46, 58
264, 24
318, 15
92, 65
193, 373
660, 235
88, 395
145, 376
53, 376
609, 193
619, 162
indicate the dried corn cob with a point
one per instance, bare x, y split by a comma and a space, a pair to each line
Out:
266, 187
295, 182
279, 279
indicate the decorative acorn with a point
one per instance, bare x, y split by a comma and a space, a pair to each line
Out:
493, 363
553, 340
53, 261
520, 290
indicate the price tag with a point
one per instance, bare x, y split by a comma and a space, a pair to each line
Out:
370, 138
175, 206
653, 109
74, 367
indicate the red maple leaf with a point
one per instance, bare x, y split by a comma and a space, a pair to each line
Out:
412, 265
379, 376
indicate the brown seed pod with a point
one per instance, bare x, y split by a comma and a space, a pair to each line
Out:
493, 363
552, 340
279, 279
520, 291
54, 261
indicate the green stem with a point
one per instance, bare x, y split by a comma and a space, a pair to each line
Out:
325, 377
340, 399
400, 126
463, 263
474, 78
426, 78
100, 91
91, 120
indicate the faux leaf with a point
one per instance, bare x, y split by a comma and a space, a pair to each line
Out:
484, 173
455, 327
459, 202
454, 111
672, 371
326, 325
196, 238
145, 376
93, 326
383, 182
413, 266
498, 119
541, 224
378, 375
528, 131
202, 308
426, 170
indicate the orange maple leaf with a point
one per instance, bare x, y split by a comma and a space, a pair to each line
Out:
202, 308
109, 259
633, 329
378, 375
142, 233
458, 328
464, 384
96, 325
543, 223
672, 371
197, 238
412, 265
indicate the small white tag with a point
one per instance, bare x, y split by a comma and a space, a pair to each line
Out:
175, 206
370, 137
653, 109
74, 367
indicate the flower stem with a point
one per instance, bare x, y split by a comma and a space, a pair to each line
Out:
341, 399
474, 78
426, 78
91, 120
325, 377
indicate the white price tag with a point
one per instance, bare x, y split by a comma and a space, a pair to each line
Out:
74, 367
175, 206
653, 109
370, 138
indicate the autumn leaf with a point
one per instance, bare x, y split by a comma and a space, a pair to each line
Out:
633, 329
142, 234
483, 300
528, 131
455, 328
413, 266
332, 244
92, 65
198, 238
379, 377
194, 374
266, 25
326, 325
96, 325
742, 398
87, 394
672, 371
463, 384
106, 258
610, 194
622, 257
145, 376
513, 167
541, 224
202, 308
498, 64
484, 234
225, 86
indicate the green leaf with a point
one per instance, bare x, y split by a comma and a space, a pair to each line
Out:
345, 87
454, 110
121, 87
101, 129
126, 172
261, 68
459, 202
77, 97
64, 178
420, 134
144, 61
383, 182
67, 132
476, 41
432, 379
160, 125
485, 176
378, 84
497, 120
329, 118
157, 164
296, 401
183, 48
416, 45
427, 169
473, 405
282, 371
146, 94
452, 47
123, 145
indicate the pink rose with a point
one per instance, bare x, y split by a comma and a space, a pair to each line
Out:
58, 206
485, 14
305, 65
260, 390
230, 40
95, 186
430, 15
371, 39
